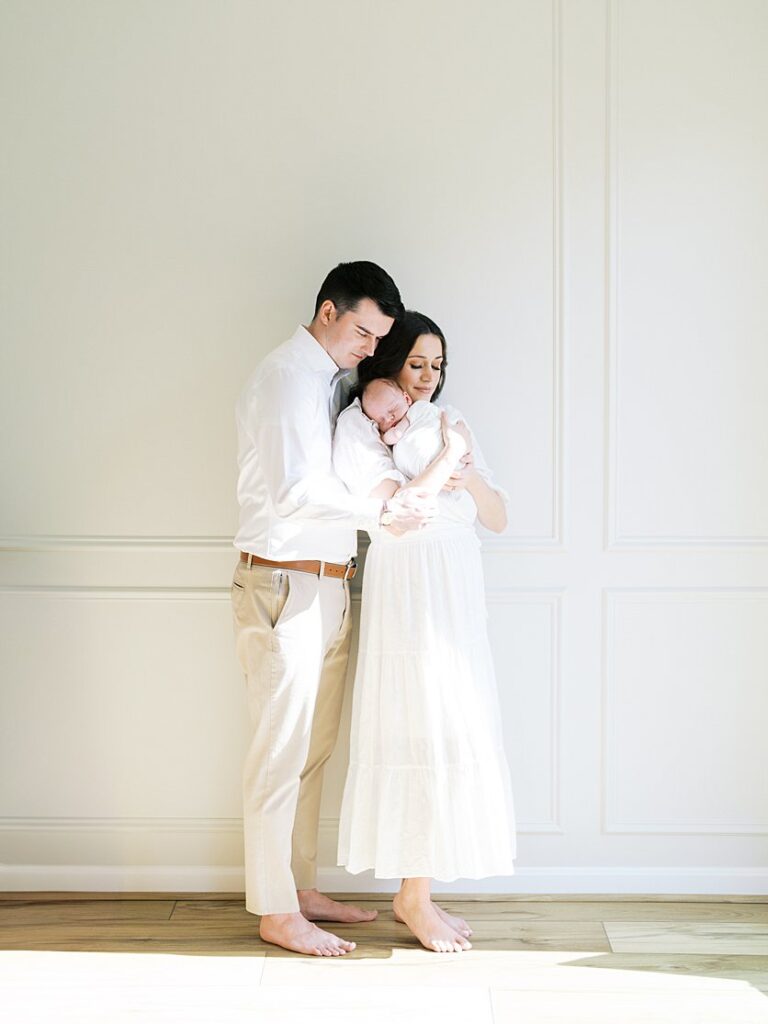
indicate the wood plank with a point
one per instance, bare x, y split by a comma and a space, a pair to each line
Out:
687, 937
543, 1007
730, 966
523, 969
152, 936
594, 911
96, 930
756, 913
214, 1000
563, 935
386, 898
572, 897
201, 910
56, 911
194, 911
226, 946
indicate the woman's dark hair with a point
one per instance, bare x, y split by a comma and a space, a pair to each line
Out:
350, 283
392, 351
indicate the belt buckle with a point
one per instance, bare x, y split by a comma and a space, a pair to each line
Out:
351, 564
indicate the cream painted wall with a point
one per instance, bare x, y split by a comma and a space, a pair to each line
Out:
576, 192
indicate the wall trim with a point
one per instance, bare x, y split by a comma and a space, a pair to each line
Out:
81, 825
39, 543
559, 518
563, 880
85, 542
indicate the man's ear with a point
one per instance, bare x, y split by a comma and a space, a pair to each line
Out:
326, 309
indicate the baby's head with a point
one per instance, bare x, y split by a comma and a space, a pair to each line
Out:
384, 402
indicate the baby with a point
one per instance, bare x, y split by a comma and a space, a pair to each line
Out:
411, 428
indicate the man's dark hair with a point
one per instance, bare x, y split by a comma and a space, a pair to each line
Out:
349, 283
392, 351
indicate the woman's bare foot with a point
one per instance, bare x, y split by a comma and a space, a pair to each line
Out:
295, 932
457, 923
428, 926
317, 907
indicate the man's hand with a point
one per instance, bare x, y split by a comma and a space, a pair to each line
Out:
411, 508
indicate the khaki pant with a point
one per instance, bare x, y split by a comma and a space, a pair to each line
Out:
292, 631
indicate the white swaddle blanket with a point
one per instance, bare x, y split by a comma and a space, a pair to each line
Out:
419, 446
421, 443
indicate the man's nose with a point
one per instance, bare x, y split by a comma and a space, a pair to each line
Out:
370, 346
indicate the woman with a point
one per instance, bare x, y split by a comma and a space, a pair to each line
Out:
427, 793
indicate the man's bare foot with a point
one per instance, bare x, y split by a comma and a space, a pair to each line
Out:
457, 923
295, 932
428, 926
317, 907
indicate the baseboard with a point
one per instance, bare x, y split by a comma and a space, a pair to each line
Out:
580, 880
714, 881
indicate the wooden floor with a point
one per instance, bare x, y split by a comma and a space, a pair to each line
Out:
87, 957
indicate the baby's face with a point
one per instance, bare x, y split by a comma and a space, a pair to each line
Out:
385, 405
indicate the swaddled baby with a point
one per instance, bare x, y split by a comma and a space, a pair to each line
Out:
411, 428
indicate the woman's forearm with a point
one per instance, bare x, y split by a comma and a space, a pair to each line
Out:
491, 510
437, 473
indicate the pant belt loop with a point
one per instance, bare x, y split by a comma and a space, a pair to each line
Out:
250, 559
322, 567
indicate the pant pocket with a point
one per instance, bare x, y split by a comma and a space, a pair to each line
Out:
281, 589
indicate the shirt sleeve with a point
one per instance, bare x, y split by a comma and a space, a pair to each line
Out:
287, 421
360, 457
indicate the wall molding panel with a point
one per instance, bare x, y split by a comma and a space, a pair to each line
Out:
552, 598
616, 538
664, 601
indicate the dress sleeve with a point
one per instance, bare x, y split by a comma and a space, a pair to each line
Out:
360, 457
482, 467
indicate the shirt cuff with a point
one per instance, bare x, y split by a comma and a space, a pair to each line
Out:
369, 512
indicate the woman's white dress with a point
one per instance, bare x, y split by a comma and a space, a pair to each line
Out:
427, 792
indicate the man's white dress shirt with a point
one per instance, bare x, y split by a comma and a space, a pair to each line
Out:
292, 505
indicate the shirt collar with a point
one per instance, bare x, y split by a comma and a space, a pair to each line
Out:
371, 425
316, 358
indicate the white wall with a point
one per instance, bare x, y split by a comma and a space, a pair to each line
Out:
576, 193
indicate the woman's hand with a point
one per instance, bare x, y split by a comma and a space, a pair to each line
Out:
456, 436
463, 475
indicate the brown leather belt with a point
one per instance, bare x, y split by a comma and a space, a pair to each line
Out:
338, 570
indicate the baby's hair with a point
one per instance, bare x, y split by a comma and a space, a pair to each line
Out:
382, 380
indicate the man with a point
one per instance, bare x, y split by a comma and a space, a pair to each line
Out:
290, 594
